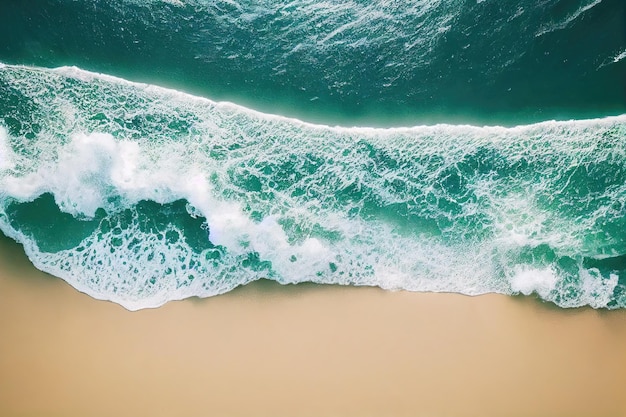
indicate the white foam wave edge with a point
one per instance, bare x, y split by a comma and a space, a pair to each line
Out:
31, 251
160, 299
85, 75
526, 280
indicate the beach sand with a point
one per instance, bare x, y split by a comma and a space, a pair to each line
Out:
306, 350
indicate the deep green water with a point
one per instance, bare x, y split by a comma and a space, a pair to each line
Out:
354, 63
142, 194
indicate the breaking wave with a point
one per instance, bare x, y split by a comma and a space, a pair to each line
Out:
140, 195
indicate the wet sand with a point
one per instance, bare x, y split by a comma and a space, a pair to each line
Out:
268, 350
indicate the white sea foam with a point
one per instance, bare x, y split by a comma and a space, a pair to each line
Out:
109, 143
596, 290
613, 59
532, 280
619, 56
6, 153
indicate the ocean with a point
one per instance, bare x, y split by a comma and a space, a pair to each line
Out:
154, 150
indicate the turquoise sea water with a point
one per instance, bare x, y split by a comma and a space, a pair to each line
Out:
134, 191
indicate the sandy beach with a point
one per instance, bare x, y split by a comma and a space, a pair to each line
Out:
268, 350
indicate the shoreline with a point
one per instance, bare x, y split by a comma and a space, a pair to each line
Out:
304, 350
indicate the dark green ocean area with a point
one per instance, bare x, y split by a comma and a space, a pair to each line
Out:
153, 150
